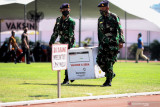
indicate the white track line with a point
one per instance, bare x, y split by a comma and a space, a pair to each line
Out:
76, 99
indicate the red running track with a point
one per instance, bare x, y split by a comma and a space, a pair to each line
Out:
138, 101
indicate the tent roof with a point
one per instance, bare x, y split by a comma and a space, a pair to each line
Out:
4, 2
50, 8
140, 8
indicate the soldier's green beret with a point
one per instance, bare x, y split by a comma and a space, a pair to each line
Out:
104, 4
65, 5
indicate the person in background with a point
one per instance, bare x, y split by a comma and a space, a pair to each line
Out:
25, 47
140, 49
37, 52
3, 51
12, 45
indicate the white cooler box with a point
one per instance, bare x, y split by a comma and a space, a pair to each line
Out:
82, 64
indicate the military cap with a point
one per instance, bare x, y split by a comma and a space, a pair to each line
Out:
104, 4
65, 5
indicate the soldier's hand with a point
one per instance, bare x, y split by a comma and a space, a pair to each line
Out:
120, 45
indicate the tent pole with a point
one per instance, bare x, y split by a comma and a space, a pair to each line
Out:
0, 31
35, 19
80, 3
148, 39
93, 39
25, 14
125, 36
149, 35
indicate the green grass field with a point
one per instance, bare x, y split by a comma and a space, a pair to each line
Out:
21, 82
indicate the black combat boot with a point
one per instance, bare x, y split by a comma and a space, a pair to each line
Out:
66, 81
72, 80
107, 82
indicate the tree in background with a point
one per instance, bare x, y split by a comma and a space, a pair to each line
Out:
155, 50
132, 50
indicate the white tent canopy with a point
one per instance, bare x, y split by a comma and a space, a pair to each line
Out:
136, 9
140, 8
5, 2
50, 8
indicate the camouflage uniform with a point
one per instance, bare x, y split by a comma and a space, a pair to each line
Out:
110, 35
65, 29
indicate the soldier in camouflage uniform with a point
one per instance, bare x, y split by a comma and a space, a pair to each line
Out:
111, 39
64, 27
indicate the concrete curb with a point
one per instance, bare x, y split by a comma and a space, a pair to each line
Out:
20, 103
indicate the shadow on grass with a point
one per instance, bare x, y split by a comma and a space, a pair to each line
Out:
75, 85
155, 64
38, 95
83, 85
36, 84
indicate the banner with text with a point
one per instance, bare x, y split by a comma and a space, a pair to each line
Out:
8, 25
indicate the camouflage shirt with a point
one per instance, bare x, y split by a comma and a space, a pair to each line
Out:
65, 29
110, 33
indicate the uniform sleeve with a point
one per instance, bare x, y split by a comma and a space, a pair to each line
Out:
71, 33
120, 32
55, 33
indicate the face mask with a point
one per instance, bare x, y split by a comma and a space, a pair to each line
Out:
103, 13
65, 13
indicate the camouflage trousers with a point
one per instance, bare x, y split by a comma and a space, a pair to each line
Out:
106, 62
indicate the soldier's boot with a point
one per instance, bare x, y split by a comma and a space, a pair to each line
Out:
107, 82
66, 81
72, 80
